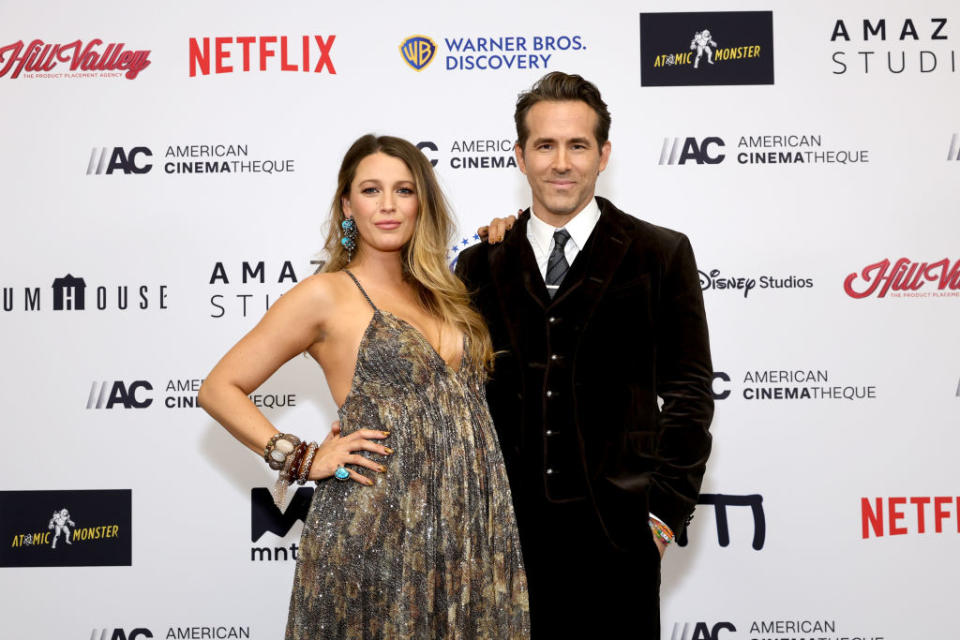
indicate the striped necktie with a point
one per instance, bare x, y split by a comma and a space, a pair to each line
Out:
557, 266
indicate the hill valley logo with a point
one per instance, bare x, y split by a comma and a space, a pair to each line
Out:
706, 48
90, 59
905, 278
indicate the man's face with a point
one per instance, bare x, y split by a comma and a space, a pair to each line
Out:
561, 158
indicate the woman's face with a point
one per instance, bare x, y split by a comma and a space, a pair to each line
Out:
383, 202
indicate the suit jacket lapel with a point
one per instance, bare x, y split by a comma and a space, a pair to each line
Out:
514, 267
596, 263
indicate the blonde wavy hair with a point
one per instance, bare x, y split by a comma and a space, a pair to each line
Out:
439, 291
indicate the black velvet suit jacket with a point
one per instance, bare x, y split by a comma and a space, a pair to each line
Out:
574, 393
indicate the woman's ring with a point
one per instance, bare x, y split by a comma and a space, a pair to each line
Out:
341, 473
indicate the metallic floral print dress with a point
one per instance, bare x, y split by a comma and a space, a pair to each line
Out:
431, 549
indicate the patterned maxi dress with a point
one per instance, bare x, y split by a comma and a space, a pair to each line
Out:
431, 549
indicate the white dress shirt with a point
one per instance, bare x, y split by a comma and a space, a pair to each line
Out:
540, 237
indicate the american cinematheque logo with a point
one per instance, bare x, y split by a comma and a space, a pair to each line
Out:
65, 528
706, 48
77, 59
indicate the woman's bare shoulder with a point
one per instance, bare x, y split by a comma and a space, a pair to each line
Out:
319, 293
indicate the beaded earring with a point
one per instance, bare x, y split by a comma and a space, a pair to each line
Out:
349, 239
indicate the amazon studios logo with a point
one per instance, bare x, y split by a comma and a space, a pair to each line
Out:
874, 45
711, 48
236, 286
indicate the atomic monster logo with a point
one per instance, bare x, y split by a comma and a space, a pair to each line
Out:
702, 41
61, 522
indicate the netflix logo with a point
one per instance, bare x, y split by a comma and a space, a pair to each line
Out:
900, 516
261, 53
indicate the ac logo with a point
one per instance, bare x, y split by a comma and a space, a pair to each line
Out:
120, 634
418, 51
104, 160
701, 631
426, 144
722, 395
119, 393
680, 150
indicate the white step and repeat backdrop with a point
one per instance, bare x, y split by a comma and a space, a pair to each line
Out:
166, 174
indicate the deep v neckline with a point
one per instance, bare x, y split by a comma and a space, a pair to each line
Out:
427, 343
420, 335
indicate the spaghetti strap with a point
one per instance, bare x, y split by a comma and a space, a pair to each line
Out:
359, 286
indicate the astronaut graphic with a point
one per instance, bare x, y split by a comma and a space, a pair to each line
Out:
60, 520
702, 41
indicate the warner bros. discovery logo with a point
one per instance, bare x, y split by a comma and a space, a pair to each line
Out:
418, 51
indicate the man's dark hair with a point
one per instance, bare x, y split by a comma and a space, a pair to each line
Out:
558, 86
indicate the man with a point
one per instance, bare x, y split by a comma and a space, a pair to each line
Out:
597, 315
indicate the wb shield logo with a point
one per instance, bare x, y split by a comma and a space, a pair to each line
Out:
418, 51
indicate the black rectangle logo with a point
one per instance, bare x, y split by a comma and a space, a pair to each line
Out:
706, 48
65, 528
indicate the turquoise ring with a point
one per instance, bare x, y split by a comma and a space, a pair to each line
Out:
341, 473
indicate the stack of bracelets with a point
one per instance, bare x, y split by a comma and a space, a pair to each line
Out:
292, 458
662, 531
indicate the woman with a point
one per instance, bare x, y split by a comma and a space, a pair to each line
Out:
411, 532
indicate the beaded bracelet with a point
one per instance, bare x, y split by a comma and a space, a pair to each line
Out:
279, 448
292, 470
661, 530
304, 469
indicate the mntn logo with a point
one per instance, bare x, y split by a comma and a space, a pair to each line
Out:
680, 150
119, 160
120, 634
119, 393
418, 51
701, 631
